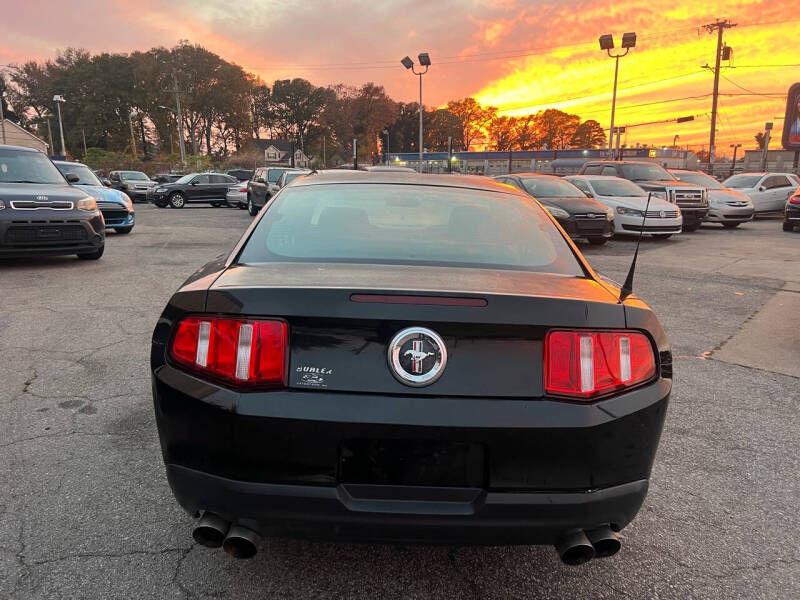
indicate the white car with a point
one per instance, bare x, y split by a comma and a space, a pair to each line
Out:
628, 201
768, 191
727, 207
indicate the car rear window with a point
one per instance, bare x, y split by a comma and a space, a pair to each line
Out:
409, 224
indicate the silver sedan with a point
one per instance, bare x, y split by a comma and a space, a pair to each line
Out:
237, 195
725, 206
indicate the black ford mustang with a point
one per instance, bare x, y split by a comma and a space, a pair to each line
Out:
412, 358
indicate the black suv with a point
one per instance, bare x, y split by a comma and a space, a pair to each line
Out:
41, 213
208, 188
692, 199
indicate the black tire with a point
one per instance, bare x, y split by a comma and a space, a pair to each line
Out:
597, 241
177, 200
662, 236
93, 255
787, 226
242, 206
730, 225
216, 204
123, 230
251, 208
691, 227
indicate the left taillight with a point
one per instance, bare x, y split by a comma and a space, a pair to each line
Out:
795, 199
584, 364
241, 352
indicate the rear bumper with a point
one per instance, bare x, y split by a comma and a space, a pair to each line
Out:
274, 461
792, 215
406, 514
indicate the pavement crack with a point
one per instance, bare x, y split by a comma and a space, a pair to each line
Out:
79, 555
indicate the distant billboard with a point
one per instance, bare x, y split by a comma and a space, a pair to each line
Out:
791, 124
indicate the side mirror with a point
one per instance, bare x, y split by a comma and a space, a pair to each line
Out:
106, 182
193, 182
762, 189
72, 178
589, 194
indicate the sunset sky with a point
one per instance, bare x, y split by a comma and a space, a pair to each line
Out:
521, 56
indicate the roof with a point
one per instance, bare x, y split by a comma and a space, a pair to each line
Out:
69, 162
282, 145
532, 174
24, 131
595, 177
622, 162
20, 148
474, 182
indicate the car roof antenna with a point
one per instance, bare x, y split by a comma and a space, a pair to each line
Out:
627, 287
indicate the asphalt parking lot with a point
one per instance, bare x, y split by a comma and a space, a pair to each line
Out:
85, 510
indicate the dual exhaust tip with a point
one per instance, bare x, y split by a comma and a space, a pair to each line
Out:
212, 531
575, 548
580, 547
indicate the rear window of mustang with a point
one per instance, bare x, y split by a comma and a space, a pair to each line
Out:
409, 225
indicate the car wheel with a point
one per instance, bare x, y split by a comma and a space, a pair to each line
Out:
92, 255
691, 227
123, 230
242, 206
597, 241
788, 226
662, 236
251, 208
177, 200
216, 204
730, 225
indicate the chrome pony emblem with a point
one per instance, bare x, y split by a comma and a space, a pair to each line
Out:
417, 356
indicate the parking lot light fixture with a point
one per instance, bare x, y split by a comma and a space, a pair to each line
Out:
607, 44
424, 61
59, 100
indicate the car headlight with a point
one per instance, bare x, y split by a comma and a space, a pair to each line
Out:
2, 205
661, 195
558, 213
632, 212
161, 189
126, 200
609, 214
87, 204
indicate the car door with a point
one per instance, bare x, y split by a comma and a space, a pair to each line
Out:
220, 185
258, 187
781, 188
199, 188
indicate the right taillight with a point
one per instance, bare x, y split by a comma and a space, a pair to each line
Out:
241, 352
795, 199
585, 364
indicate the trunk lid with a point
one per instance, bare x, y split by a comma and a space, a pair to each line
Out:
342, 318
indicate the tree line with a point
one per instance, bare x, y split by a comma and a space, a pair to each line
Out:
126, 103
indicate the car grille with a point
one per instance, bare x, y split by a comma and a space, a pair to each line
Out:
736, 203
35, 205
688, 197
106, 205
657, 214
47, 232
651, 228
596, 222
114, 215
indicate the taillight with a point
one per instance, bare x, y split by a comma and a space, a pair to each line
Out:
242, 352
243, 190
795, 199
587, 364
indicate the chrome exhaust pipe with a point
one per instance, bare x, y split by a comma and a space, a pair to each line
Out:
574, 548
605, 541
211, 530
240, 542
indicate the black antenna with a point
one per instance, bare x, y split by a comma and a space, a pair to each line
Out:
627, 287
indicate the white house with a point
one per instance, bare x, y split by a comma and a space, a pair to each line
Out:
279, 153
19, 136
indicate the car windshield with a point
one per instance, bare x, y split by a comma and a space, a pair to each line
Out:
291, 177
186, 178
85, 174
410, 225
546, 187
134, 175
645, 173
742, 181
617, 187
21, 166
700, 179
274, 174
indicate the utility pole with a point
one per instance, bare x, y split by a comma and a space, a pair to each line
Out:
50, 135
449, 153
719, 26
324, 153
133, 137
765, 150
355, 154
178, 116
83, 134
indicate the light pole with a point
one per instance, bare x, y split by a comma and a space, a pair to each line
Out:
178, 127
424, 61
59, 100
733, 164
607, 44
675, 139
386, 132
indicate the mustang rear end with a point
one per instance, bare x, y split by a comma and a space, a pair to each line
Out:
329, 380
